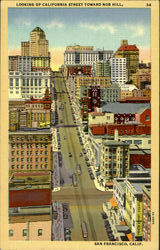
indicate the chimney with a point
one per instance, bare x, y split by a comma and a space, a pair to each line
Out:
116, 135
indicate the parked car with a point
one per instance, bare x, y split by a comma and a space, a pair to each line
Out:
69, 154
88, 164
104, 216
80, 154
86, 158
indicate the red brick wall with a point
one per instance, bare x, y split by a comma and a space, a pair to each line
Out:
143, 120
146, 202
143, 159
32, 197
98, 130
132, 129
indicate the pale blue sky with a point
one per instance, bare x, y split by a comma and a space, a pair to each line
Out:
98, 27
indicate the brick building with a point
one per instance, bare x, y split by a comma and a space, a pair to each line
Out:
74, 70
30, 150
140, 157
34, 113
94, 97
30, 214
146, 208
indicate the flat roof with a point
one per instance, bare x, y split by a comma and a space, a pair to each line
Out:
137, 167
31, 131
33, 197
124, 108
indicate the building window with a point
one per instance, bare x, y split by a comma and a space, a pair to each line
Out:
137, 141
24, 232
17, 82
10, 232
147, 118
11, 82
39, 232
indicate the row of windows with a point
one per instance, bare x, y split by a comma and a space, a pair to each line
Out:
25, 231
30, 159
22, 145
29, 166
29, 152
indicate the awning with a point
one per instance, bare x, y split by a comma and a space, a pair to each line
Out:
113, 202
109, 183
130, 237
122, 223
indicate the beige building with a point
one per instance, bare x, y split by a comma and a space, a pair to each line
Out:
30, 150
90, 81
100, 118
125, 94
37, 46
30, 227
114, 161
78, 47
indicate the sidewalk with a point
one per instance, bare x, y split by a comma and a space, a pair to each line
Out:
56, 173
57, 223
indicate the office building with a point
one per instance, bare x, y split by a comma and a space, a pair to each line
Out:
30, 150
131, 54
118, 70
37, 46
28, 84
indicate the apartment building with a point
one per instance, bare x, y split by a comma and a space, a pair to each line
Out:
134, 211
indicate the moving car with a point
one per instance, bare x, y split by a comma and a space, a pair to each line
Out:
79, 170
69, 154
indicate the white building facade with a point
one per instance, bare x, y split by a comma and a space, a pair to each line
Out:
27, 84
85, 55
118, 70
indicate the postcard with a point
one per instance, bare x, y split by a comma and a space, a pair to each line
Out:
79, 124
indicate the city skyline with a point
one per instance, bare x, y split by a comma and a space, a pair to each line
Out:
101, 28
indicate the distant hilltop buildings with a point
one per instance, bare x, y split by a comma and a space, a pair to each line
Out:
29, 73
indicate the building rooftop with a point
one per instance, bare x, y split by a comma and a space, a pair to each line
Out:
34, 210
116, 143
137, 167
128, 48
33, 197
147, 189
37, 29
124, 108
135, 184
31, 131
140, 151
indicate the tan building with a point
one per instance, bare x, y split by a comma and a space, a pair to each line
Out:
90, 81
144, 76
30, 150
25, 48
100, 118
125, 94
114, 161
13, 63
34, 113
37, 46
30, 228
131, 53
78, 47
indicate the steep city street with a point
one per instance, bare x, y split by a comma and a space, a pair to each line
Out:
85, 200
